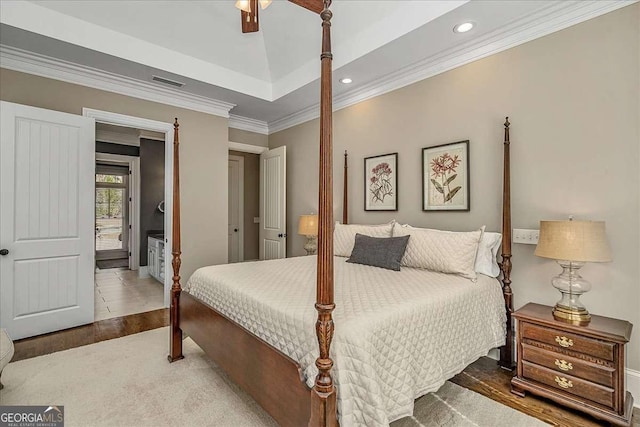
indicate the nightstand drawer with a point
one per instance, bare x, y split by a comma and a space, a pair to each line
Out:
600, 349
569, 384
570, 365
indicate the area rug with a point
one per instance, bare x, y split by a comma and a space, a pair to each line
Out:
128, 382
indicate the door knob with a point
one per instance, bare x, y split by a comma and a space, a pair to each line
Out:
280, 235
235, 230
4, 252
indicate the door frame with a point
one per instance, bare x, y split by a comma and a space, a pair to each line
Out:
134, 205
240, 161
111, 254
246, 148
155, 126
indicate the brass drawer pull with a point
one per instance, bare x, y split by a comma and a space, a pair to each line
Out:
563, 382
563, 365
564, 341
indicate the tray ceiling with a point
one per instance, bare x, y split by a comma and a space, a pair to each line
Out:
272, 76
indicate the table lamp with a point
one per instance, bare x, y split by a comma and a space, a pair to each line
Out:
308, 226
572, 244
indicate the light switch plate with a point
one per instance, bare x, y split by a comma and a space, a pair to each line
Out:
525, 236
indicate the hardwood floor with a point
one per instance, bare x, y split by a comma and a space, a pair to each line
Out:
483, 376
88, 334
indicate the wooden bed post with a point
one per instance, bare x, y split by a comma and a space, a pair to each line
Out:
506, 352
175, 335
345, 193
323, 394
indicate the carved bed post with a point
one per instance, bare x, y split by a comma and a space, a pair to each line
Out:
175, 334
345, 195
323, 394
506, 352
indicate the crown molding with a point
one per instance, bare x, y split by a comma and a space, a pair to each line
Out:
557, 17
44, 66
299, 117
251, 125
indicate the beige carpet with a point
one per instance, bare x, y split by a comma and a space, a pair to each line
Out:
128, 382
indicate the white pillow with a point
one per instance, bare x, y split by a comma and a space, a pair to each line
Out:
443, 251
486, 260
344, 235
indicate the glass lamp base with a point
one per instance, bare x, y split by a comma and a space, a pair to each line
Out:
574, 315
311, 246
571, 285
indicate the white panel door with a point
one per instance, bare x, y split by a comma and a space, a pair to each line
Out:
47, 167
273, 203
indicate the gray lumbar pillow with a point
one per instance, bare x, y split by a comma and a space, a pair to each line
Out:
383, 252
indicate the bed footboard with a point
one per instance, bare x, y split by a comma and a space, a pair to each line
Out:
273, 379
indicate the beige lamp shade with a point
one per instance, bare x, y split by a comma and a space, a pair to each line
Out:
244, 5
580, 241
308, 225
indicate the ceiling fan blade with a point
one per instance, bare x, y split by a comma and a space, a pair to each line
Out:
250, 22
316, 6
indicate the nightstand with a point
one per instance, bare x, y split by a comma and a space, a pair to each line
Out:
581, 367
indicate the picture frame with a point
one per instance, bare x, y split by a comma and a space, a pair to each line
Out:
381, 182
446, 178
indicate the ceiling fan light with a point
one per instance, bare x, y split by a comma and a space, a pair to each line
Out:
265, 4
244, 5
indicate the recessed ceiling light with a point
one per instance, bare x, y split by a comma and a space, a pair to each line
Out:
346, 80
464, 27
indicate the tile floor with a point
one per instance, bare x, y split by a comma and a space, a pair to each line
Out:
120, 292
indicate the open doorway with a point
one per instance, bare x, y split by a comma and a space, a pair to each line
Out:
167, 130
257, 202
129, 221
244, 206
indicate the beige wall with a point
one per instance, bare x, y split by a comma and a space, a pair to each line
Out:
251, 203
246, 137
572, 98
203, 155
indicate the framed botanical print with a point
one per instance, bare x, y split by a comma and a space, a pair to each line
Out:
445, 177
381, 183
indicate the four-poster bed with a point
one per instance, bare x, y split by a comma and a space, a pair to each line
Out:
274, 379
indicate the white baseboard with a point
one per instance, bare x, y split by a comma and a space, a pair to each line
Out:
633, 386
144, 271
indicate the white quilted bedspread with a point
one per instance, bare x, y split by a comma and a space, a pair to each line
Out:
398, 335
